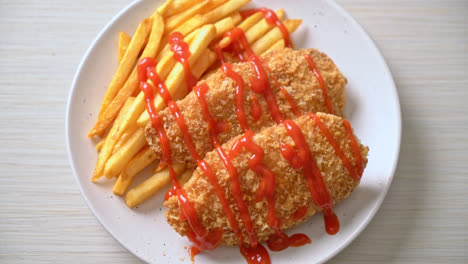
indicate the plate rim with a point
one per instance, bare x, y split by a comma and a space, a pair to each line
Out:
388, 72
341, 11
71, 94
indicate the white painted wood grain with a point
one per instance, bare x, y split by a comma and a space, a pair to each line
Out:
43, 218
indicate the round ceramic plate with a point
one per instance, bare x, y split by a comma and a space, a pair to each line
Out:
372, 107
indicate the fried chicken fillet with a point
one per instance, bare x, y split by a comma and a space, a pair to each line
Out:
291, 191
289, 67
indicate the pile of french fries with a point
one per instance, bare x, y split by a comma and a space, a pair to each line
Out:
123, 150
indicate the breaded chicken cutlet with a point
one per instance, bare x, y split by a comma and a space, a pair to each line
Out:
289, 67
291, 190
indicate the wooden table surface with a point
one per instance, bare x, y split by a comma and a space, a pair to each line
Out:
44, 219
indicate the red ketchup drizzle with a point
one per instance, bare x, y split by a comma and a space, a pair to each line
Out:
300, 213
291, 101
257, 255
201, 238
288, 97
271, 18
181, 54
267, 185
219, 53
255, 108
305, 159
302, 158
196, 233
335, 146
147, 89
239, 43
227, 69
278, 241
281, 242
290, 154
193, 251
354, 147
259, 84
322, 84
296, 111
235, 184
248, 12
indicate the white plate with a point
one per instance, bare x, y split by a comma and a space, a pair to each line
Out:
372, 108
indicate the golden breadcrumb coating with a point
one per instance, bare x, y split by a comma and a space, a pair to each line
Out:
288, 66
291, 191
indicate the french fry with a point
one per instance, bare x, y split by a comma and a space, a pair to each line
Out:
163, 68
223, 10
124, 40
254, 27
223, 26
106, 150
162, 10
175, 6
155, 38
211, 16
139, 106
128, 61
166, 64
176, 20
99, 145
204, 63
159, 167
236, 18
166, 50
145, 157
132, 84
124, 151
185, 177
166, 56
177, 76
189, 38
277, 46
270, 38
245, 25
251, 21
183, 16
151, 186
135, 143
125, 136
213, 4
258, 30
120, 159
